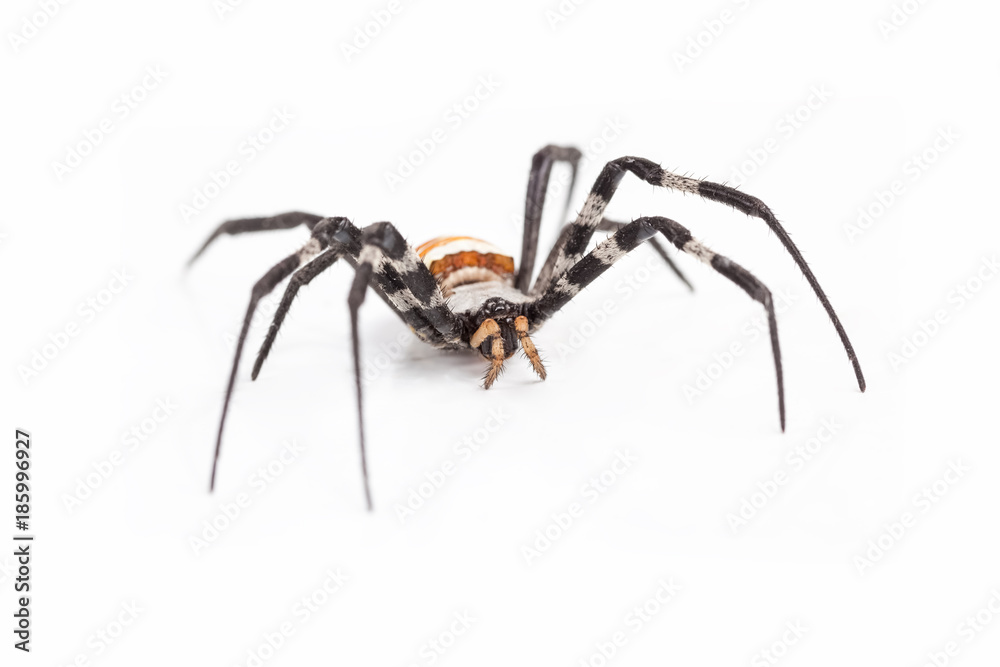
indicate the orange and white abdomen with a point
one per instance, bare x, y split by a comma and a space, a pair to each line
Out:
461, 260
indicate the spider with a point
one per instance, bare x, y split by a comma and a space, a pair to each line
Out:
461, 293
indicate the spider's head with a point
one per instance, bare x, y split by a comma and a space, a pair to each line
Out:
499, 328
492, 322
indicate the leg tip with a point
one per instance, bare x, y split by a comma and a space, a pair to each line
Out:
194, 258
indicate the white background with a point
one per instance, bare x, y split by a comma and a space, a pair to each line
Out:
614, 387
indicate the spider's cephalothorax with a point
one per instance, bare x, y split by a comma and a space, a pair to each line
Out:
478, 281
460, 293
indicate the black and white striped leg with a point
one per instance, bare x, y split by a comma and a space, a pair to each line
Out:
562, 258
344, 240
607, 225
628, 238
242, 225
410, 286
347, 244
261, 288
299, 279
756, 208
538, 184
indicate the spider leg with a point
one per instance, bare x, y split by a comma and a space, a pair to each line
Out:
241, 225
408, 284
261, 288
348, 246
332, 239
299, 279
607, 225
578, 236
414, 288
630, 236
538, 184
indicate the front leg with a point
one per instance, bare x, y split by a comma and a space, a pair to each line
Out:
578, 236
629, 237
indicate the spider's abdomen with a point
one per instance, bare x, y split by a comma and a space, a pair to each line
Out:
461, 260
